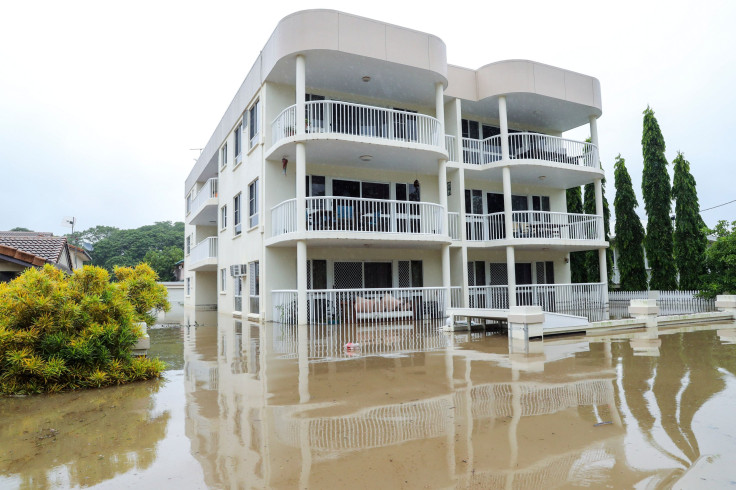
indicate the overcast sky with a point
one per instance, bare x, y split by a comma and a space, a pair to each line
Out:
101, 102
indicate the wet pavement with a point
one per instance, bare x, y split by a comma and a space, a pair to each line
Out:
249, 406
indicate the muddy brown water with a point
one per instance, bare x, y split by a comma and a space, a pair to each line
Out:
248, 406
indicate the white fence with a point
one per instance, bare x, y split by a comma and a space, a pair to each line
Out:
456, 297
453, 221
451, 148
494, 297
367, 306
535, 224
207, 192
335, 117
533, 146
573, 299
360, 215
206, 249
669, 302
526, 146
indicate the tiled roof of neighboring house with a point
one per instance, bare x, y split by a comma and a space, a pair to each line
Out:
21, 255
41, 244
80, 251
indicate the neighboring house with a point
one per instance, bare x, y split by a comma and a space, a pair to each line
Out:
179, 270
21, 250
80, 255
355, 170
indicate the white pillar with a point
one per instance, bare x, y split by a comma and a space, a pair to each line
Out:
594, 135
504, 123
301, 282
464, 250
466, 287
301, 90
439, 100
459, 125
511, 273
446, 273
598, 197
507, 209
442, 183
301, 188
602, 266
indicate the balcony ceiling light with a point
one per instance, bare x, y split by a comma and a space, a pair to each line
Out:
366, 158
542, 177
366, 78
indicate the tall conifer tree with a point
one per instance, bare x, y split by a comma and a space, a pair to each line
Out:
629, 231
690, 238
577, 259
655, 186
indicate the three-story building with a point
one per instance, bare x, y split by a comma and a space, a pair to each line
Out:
356, 176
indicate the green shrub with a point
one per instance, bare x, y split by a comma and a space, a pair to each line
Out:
61, 332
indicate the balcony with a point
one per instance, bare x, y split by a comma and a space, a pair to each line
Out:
203, 256
536, 227
203, 207
328, 121
365, 219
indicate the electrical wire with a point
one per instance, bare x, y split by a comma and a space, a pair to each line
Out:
718, 206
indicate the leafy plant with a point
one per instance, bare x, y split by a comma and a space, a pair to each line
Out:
60, 332
720, 260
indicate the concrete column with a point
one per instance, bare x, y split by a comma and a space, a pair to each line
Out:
301, 188
507, 210
511, 272
301, 282
504, 123
598, 197
466, 286
602, 266
525, 322
442, 183
439, 100
594, 134
301, 90
461, 190
446, 273
459, 125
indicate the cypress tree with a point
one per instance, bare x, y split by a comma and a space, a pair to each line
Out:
690, 239
629, 231
591, 256
655, 186
577, 259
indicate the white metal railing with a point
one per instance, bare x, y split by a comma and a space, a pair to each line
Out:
451, 148
335, 117
479, 152
494, 297
566, 226
456, 296
526, 146
453, 222
485, 226
360, 215
207, 192
206, 249
563, 298
379, 305
283, 218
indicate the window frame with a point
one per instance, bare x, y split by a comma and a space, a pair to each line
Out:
223, 280
254, 124
253, 212
223, 155
237, 210
238, 142
223, 217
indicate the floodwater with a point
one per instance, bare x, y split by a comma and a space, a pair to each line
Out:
248, 406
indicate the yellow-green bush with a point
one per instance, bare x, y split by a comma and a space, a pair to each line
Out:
61, 332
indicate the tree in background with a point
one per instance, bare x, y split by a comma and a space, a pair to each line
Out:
163, 261
720, 260
20, 228
629, 231
578, 274
655, 185
127, 248
690, 240
591, 256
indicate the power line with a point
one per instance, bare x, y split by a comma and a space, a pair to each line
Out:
718, 206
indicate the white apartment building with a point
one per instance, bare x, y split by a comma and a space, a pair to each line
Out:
357, 176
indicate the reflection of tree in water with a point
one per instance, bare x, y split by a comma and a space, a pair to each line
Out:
95, 435
673, 387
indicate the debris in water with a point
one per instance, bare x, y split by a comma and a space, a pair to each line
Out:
602, 423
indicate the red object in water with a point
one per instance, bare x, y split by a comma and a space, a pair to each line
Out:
352, 346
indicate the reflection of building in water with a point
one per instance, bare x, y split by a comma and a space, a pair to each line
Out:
277, 415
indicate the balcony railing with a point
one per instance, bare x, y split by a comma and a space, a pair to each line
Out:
368, 306
575, 299
451, 148
453, 221
535, 224
531, 146
330, 213
206, 249
334, 117
207, 192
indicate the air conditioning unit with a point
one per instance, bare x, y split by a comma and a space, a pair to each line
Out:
238, 270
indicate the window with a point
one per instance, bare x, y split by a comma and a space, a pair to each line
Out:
238, 293
223, 280
236, 214
223, 156
189, 203
223, 217
238, 138
189, 285
255, 288
254, 124
411, 274
253, 203
189, 244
